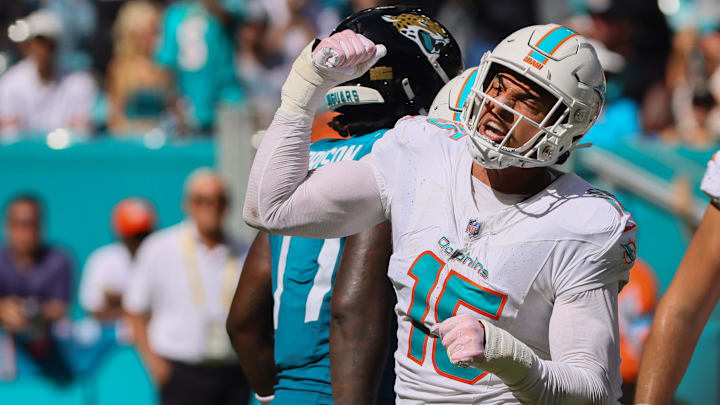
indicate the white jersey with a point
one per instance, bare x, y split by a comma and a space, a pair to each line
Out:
711, 181
507, 266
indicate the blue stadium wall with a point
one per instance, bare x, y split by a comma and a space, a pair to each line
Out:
79, 186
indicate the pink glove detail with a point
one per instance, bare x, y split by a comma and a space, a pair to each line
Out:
344, 51
463, 337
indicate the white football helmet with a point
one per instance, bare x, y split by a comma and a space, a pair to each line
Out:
449, 100
561, 62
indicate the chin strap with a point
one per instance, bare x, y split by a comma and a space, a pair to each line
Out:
581, 146
410, 94
436, 66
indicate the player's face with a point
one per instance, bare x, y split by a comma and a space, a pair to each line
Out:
521, 95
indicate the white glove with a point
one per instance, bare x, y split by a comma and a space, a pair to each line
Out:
341, 57
711, 181
464, 339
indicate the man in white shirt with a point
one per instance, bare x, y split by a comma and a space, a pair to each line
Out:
179, 297
36, 96
108, 269
506, 270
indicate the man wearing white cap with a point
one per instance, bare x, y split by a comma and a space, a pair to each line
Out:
34, 94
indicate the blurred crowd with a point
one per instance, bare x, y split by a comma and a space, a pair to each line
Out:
129, 67
132, 66
662, 78
168, 291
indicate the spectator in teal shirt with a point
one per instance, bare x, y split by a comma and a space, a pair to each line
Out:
196, 46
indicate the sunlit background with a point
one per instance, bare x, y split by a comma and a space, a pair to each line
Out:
143, 92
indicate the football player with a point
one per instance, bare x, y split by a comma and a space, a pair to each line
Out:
285, 290
506, 271
686, 306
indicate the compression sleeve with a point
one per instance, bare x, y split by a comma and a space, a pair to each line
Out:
283, 197
584, 346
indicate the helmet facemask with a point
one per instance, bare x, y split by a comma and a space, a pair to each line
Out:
541, 149
544, 59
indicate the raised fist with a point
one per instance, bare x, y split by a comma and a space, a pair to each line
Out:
348, 53
341, 57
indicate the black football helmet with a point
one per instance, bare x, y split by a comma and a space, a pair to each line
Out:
422, 56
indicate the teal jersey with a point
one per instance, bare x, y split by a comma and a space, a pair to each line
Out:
303, 273
198, 49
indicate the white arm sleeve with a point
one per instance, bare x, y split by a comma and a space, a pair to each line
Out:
584, 345
336, 200
282, 197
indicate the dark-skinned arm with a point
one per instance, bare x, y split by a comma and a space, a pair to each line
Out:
361, 309
250, 322
681, 315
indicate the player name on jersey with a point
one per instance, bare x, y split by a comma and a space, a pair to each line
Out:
324, 157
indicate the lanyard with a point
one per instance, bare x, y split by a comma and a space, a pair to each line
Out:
192, 269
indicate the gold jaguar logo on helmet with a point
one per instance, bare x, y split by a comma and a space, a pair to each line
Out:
430, 36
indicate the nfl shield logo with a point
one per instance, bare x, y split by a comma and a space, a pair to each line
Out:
473, 228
